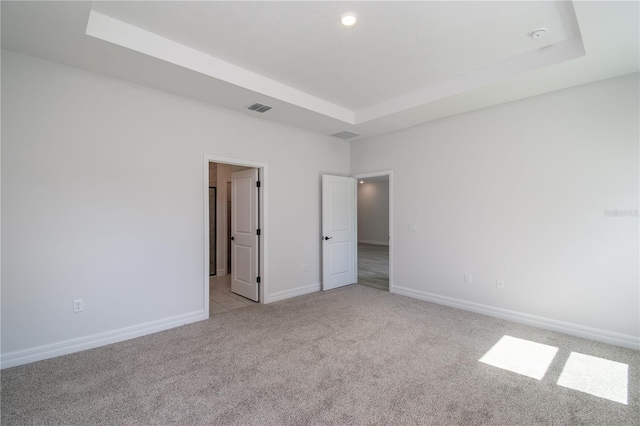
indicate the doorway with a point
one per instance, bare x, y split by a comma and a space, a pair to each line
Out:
374, 230
224, 168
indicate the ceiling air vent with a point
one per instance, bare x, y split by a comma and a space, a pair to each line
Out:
345, 134
258, 107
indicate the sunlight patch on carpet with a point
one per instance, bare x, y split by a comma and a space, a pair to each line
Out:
596, 376
520, 356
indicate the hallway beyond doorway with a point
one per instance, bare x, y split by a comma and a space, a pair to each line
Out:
373, 266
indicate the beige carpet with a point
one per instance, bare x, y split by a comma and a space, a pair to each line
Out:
355, 355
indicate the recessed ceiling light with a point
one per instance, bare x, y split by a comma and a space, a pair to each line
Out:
538, 33
348, 19
361, 181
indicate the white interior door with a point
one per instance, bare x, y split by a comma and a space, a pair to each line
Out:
339, 248
244, 234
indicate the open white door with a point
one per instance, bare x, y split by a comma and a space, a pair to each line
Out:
339, 248
244, 234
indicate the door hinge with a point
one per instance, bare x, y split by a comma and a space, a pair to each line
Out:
258, 184
258, 231
258, 280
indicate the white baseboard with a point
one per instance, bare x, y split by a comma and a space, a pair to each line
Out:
577, 330
377, 243
65, 347
286, 294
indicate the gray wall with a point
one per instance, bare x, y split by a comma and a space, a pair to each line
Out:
519, 192
103, 186
373, 213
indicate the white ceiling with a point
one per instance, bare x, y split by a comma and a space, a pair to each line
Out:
403, 63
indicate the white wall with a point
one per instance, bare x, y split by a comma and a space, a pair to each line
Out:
519, 192
102, 186
373, 213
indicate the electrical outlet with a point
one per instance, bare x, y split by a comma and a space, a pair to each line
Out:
78, 306
467, 278
500, 284
304, 267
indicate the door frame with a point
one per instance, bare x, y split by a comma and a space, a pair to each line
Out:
263, 222
390, 174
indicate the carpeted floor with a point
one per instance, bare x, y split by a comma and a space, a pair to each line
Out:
354, 355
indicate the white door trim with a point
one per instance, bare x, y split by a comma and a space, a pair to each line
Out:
264, 196
390, 174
